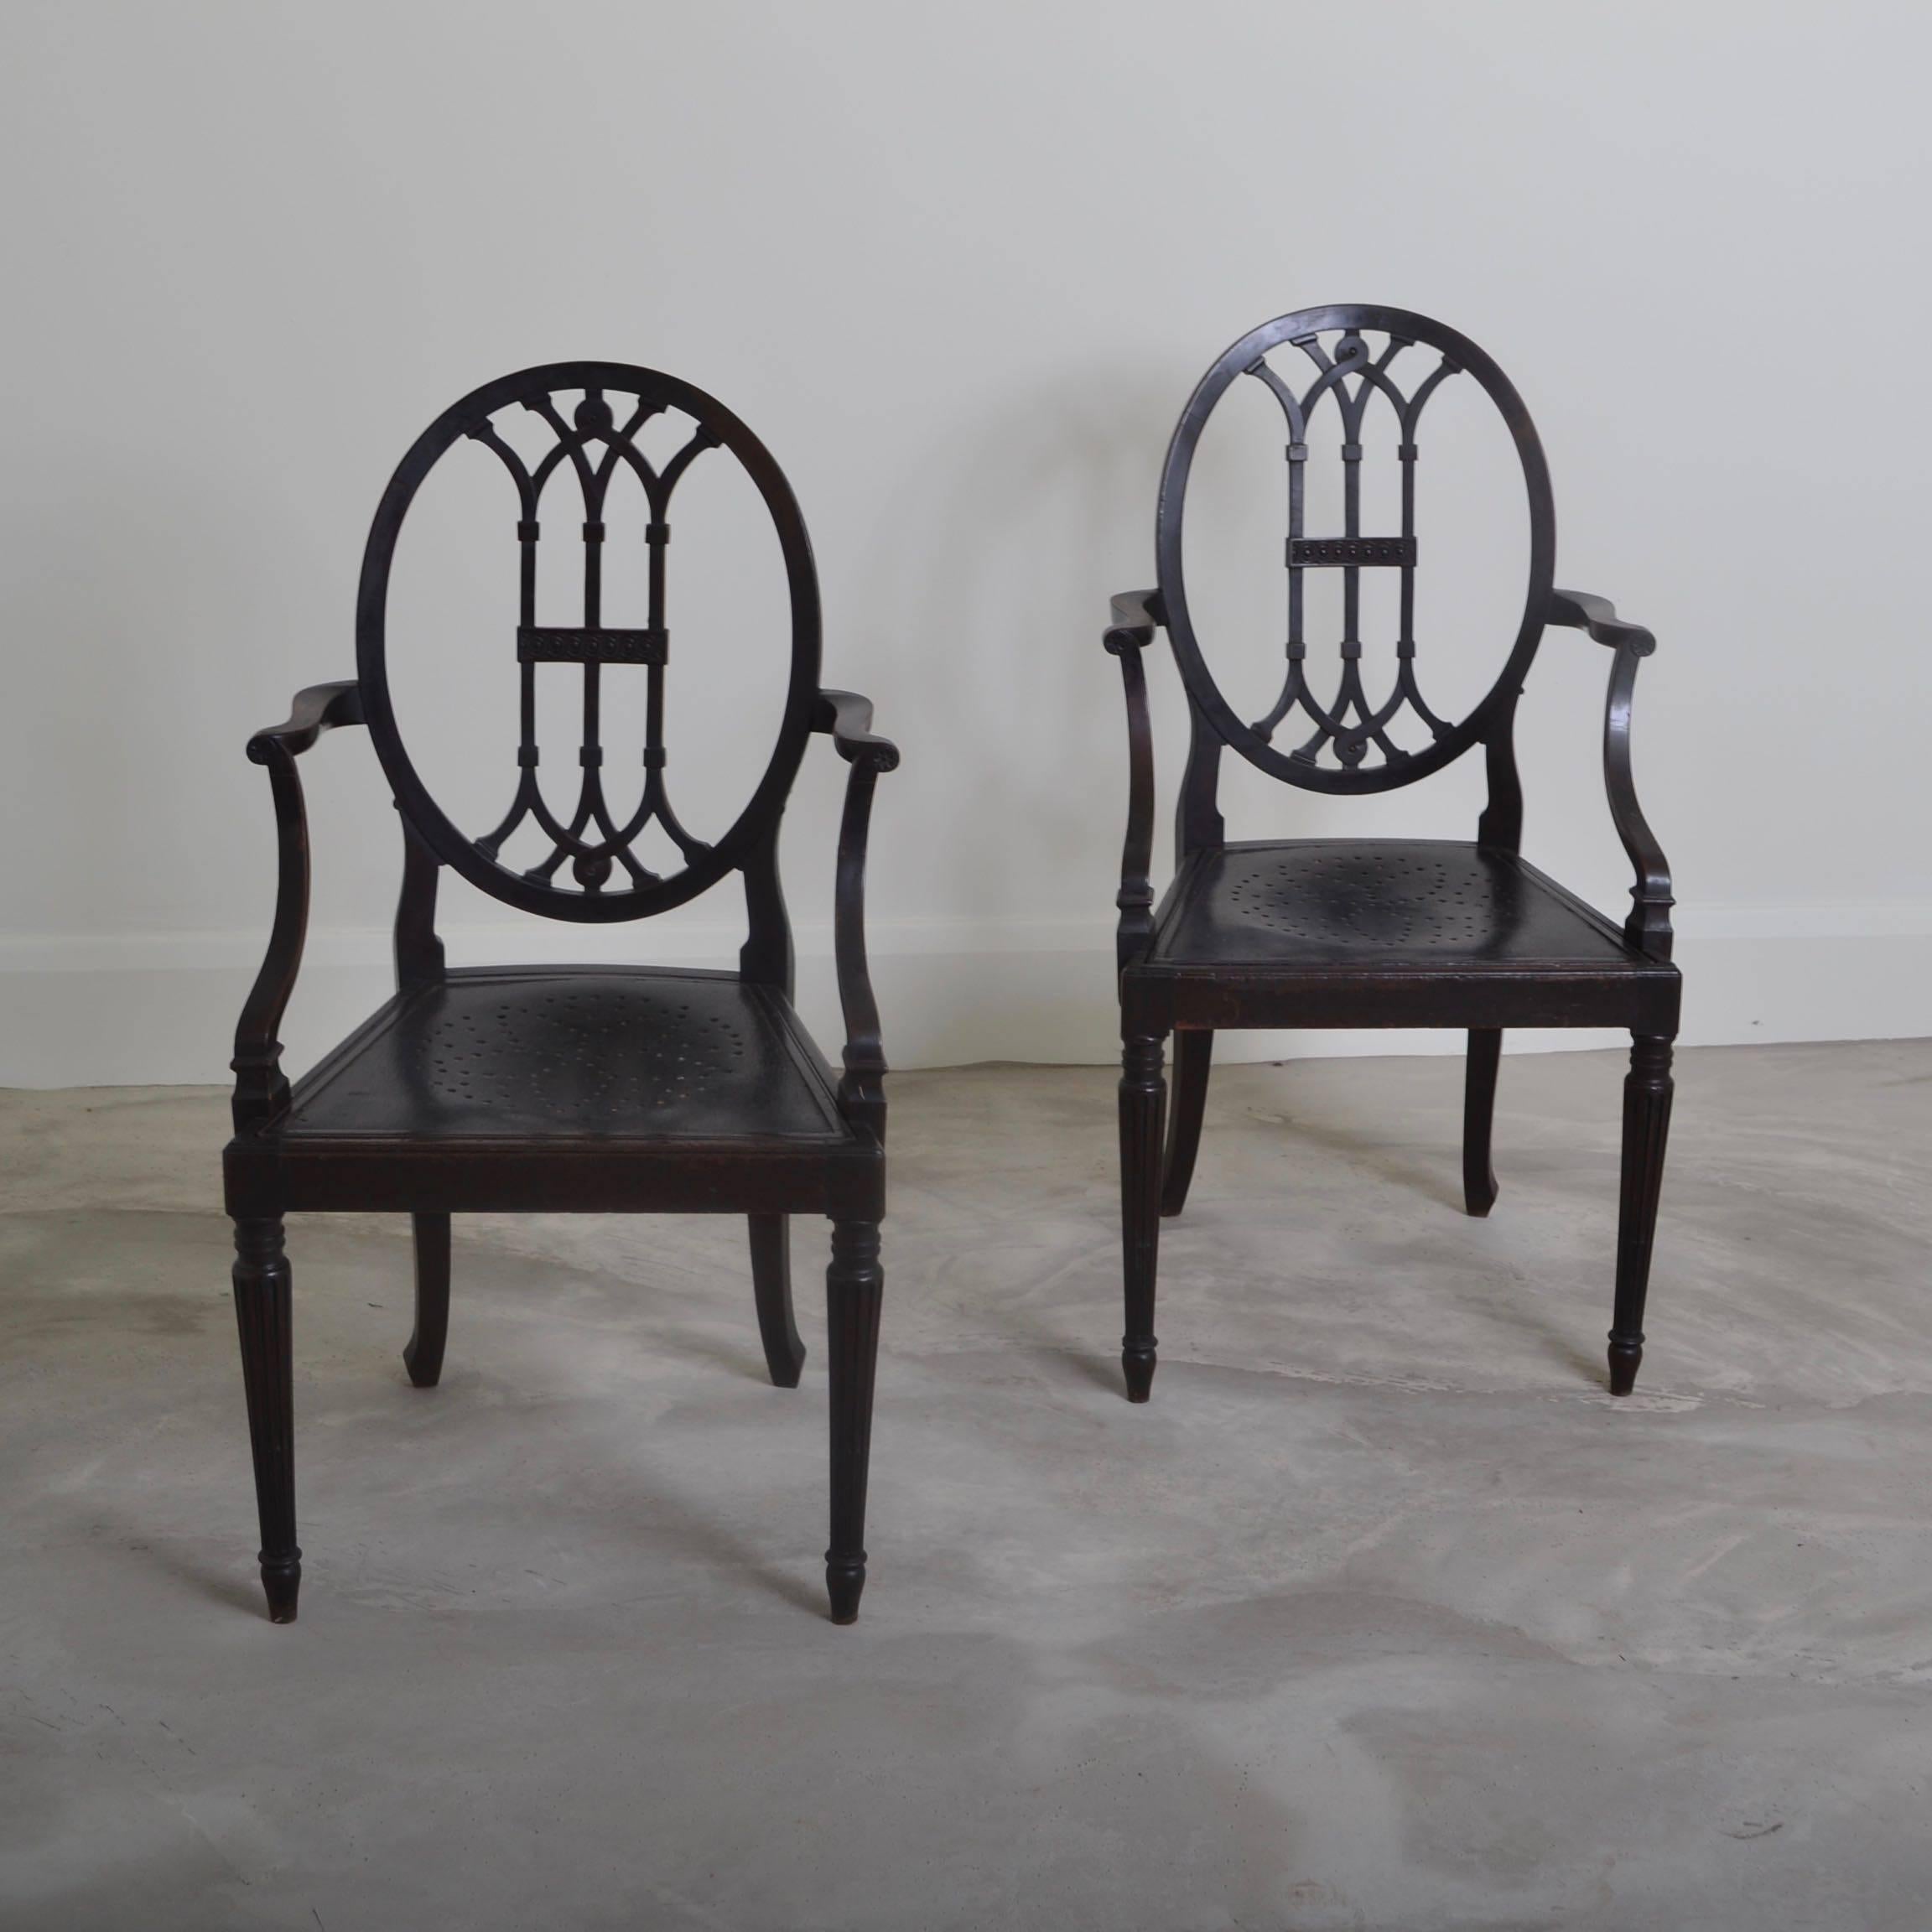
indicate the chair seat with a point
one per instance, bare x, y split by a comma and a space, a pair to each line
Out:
1301, 917
603, 1088
575, 1053
1330, 901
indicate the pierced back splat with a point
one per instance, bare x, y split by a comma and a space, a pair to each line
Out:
1352, 729
592, 443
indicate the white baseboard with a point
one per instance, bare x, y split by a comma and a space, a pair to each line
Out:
159, 1008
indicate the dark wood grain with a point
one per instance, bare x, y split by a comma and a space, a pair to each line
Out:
1143, 1096
855, 1288
423, 1353
1193, 1059
1648, 925
262, 1313
1648, 1088
771, 1288
1479, 1119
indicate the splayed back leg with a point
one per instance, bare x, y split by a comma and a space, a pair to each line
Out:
1193, 1055
1478, 1118
772, 1284
423, 1355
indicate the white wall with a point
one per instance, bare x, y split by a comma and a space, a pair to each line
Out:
960, 266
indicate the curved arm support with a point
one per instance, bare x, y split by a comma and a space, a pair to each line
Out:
1648, 928
1135, 616
862, 1091
260, 1091
848, 718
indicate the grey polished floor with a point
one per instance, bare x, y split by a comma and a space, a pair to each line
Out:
1380, 1615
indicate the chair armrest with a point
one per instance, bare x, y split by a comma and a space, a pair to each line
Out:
1648, 928
260, 1091
1134, 617
320, 708
848, 718
1581, 611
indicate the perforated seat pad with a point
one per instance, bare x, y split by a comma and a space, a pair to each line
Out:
572, 1052
1372, 903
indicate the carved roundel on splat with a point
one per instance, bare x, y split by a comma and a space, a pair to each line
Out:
1373, 728
561, 788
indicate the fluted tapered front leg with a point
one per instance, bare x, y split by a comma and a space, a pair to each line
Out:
1647, 1092
423, 1355
262, 1311
1478, 1118
855, 1290
1143, 1093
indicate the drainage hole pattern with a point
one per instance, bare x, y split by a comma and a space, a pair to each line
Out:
1396, 900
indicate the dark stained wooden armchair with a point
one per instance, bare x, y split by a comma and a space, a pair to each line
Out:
595, 1089
1371, 932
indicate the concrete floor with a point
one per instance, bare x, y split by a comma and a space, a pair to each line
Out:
1381, 1614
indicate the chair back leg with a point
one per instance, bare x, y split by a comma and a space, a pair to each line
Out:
1647, 1092
1479, 1117
1143, 1098
855, 1290
422, 1354
1193, 1055
261, 1313
771, 1288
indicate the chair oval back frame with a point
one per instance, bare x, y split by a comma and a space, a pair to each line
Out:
591, 443
1351, 727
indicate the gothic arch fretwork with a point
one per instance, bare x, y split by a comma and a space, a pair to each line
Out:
1350, 725
592, 420
591, 839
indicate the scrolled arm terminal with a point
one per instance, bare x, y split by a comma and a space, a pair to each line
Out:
1597, 615
847, 718
1648, 928
1135, 616
320, 708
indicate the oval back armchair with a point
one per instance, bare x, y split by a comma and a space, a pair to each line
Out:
596, 1089
1371, 932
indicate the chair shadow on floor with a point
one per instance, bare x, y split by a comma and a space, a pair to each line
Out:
669, 1525
1412, 1166
1404, 1164
1552, 1341
730, 1559
184, 1565
474, 1255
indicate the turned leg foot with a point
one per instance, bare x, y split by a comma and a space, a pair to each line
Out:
261, 1313
282, 1581
1143, 1098
855, 1290
1626, 1357
422, 1354
1647, 1093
